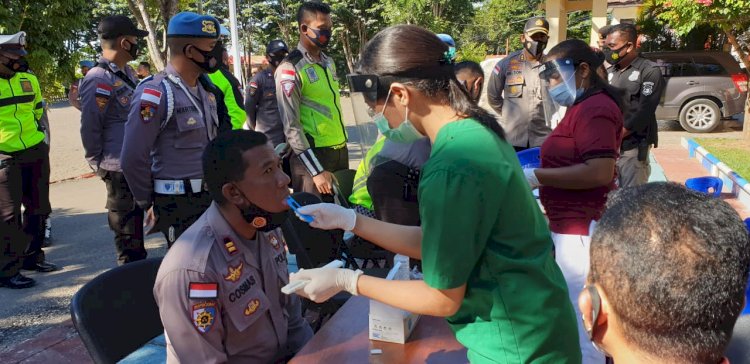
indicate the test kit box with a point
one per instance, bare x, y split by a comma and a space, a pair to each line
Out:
388, 323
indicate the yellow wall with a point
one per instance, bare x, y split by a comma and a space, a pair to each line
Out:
629, 12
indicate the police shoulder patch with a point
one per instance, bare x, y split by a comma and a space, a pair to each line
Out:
148, 111
287, 87
647, 88
204, 316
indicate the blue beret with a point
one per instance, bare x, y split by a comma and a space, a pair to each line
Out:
89, 64
191, 25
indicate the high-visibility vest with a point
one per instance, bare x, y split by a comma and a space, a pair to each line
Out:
232, 97
320, 105
360, 196
21, 109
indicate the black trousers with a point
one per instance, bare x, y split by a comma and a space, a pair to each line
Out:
331, 159
24, 181
175, 213
125, 218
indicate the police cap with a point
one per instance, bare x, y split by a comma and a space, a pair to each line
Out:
114, 26
536, 25
13, 43
191, 25
276, 46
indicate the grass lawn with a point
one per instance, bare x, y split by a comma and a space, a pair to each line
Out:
734, 152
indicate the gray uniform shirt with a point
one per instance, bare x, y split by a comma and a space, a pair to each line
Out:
105, 103
262, 107
220, 297
515, 92
171, 152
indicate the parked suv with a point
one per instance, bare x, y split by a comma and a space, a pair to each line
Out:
702, 88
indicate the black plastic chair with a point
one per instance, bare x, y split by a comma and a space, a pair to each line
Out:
116, 313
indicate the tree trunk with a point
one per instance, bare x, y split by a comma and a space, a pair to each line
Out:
743, 57
348, 51
138, 8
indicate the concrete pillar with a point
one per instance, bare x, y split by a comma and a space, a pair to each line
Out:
598, 20
557, 17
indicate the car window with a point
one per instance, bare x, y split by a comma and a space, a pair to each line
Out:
676, 67
709, 67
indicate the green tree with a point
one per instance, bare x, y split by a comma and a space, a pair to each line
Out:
440, 16
52, 29
498, 24
731, 16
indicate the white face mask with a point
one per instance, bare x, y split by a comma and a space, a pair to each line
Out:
404, 133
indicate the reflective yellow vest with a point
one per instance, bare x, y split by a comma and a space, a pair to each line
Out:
360, 195
320, 106
20, 110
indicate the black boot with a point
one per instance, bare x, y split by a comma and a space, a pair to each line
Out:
17, 281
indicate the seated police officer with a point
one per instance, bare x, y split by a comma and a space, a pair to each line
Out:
219, 287
173, 116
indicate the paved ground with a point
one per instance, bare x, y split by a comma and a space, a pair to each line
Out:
82, 242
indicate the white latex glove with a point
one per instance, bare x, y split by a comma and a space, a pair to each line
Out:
531, 177
326, 282
328, 216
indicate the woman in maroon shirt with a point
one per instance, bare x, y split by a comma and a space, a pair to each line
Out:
578, 161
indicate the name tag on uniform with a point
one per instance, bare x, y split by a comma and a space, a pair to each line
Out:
203, 290
26, 86
312, 75
515, 80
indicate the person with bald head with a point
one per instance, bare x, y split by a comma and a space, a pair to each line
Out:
173, 115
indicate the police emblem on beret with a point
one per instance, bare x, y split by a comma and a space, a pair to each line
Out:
647, 89
209, 27
204, 316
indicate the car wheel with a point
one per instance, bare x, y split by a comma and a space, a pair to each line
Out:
700, 116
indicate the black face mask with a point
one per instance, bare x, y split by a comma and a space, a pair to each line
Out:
322, 37
19, 65
260, 219
275, 59
214, 54
535, 48
613, 55
133, 51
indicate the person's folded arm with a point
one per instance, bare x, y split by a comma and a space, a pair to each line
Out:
589, 174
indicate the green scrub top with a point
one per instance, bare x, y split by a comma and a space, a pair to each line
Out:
482, 227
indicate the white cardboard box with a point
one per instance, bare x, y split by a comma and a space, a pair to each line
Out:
388, 323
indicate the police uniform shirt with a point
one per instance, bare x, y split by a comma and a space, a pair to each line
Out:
641, 84
220, 297
157, 148
105, 104
515, 92
262, 107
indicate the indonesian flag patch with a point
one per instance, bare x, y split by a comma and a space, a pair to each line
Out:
288, 75
151, 95
102, 89
203, 290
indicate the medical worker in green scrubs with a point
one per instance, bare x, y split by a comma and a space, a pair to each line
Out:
485, 247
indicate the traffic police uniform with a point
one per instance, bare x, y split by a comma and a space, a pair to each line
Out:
220, 298
310, 106
641, 83
168, 127
232, 90
515, 92
24, 172
106, 92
